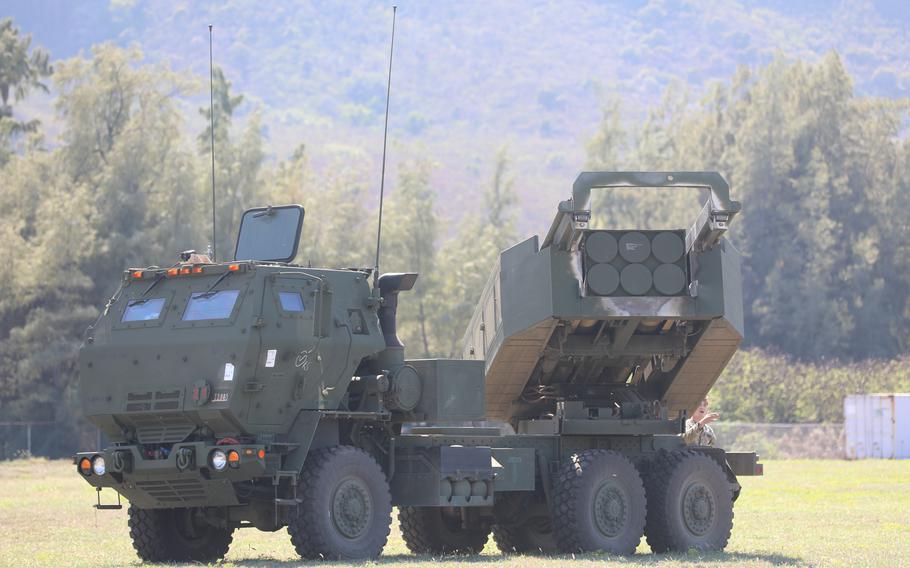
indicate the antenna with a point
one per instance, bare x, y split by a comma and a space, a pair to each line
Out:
212, 117
385, 137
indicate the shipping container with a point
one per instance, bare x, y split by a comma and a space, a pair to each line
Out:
877, 426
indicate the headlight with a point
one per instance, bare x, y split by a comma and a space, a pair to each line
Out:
219, 460
98, 465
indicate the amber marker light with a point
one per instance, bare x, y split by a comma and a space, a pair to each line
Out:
85, 466
137, 274
185, 271
247, 451
262, 454
172, 272
233, 458
197, 270
233, 267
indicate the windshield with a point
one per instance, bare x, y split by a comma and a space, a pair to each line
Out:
210, 305
143, 310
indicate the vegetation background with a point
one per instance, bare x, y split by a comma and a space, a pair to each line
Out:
104, 162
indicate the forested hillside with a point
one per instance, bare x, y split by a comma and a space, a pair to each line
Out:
470, 77
104, 164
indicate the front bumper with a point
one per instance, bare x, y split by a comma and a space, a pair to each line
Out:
160, 483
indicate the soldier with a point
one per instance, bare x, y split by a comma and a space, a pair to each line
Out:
698, 431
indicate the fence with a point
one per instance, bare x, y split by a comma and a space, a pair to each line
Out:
782, 441
46, 439
771, 441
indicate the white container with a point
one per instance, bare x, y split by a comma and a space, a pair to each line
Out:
877, 426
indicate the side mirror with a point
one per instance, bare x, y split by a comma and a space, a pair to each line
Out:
269, 233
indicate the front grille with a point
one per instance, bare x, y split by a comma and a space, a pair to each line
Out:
173, 491
161, 429
144, 401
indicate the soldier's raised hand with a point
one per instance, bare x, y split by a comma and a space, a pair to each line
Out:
709, 418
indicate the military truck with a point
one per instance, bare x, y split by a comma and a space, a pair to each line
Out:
260, 393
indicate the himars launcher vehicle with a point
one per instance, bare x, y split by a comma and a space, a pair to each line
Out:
259, 393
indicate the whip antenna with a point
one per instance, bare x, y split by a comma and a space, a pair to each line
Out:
212, 117
385, 137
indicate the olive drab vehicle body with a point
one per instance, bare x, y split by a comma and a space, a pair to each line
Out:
658, 311
260, 393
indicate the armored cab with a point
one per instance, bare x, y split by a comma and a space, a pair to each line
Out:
617, 315
226, 347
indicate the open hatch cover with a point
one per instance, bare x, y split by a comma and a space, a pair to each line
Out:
269, 233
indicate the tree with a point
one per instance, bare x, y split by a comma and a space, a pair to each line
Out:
112, 196
819, 171
809, 158
224, 104
500, 199
238, 185
335, 231
409, 245
470, 256
21, 72
607, 149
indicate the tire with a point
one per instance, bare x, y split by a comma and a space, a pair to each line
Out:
534, 536
176, 535
428, 530
690, 503
599, 504
523, 525
346, 508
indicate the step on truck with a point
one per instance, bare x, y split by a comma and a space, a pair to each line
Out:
257, 393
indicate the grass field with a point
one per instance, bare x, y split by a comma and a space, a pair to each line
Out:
801, 513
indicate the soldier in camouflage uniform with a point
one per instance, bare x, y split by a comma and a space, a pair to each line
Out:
698, 429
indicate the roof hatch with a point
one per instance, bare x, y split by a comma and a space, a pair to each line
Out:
269, 233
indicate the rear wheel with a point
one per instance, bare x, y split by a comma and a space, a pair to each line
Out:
437, 530
599, 504
346, 509
533, 536
179, 535
525, 527
690, 503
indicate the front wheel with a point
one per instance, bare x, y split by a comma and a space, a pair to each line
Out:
690, 503
177, 535
346, 508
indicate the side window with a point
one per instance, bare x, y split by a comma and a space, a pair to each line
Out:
210, 305
143, 310
291, 302
296, 296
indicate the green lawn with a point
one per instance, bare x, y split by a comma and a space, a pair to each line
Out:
816, 513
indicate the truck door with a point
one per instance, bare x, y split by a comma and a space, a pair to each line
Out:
291, 365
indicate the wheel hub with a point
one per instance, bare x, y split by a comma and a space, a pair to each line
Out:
610, 510
352, 508
698, 508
